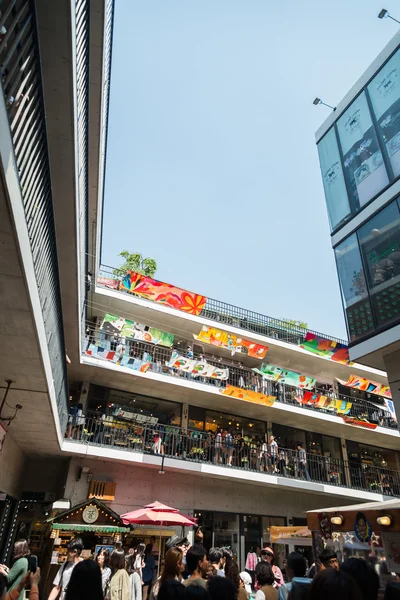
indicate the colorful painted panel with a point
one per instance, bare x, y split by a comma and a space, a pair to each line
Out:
109, 282
163, 293
327, 348
365, 385
228, 341
289, 377
136, 331
115, 357
248, 395
340, 407
197, 368
359, 422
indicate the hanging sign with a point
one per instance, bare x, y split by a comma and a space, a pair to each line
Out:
362, 528
358, 422
327, 348
108, 282
132, 330
248, 395
196, 368
366, 385
163, 293
293, 533
341, 407
228, 341
115, 357
273, 373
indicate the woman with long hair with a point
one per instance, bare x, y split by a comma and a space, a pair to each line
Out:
19, 567
148, 570
138, 563
85, 582
118, 588
232, 573
172, 570
103, 560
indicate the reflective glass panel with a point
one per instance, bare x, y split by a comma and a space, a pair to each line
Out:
363, 162
384, 91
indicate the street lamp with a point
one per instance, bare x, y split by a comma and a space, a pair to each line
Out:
384, 14
319, 101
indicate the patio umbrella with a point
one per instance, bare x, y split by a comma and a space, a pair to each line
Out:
157, 514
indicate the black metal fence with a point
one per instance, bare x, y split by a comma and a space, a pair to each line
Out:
239, 376
233, 452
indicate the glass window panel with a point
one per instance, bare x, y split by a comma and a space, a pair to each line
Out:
362, 158
332, 175
384, 91
354, 288
380, 245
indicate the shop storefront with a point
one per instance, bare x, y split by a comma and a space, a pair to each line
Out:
242, 533
204, 419
372, 467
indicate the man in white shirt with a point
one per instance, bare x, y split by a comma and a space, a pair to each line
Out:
63, 576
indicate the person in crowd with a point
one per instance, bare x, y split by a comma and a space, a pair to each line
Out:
221, 588
79, 423
332, 584
119, 586
246, 583
148, 570
273, 453
30, 580
196, 562
226, 557
267, 555
229, 447
172, 590
232, 573
135, 586
63, 576
196, 592
85, 582
364, 574
218, 446
215, 562
19, 567
302, 461
198, 537
265, 582
173, 569
138, 564
296, 567
328, 559
103, 560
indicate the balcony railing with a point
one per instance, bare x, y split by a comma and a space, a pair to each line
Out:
239, 376
198, 446
228, 314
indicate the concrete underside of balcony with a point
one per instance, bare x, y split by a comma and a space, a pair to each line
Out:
183, 390
205, 470
181, 324
22, 335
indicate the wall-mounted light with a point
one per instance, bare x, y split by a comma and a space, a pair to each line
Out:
337, 520
384, 520
384, 14
317, 101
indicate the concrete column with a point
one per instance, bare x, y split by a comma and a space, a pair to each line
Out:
347, 478
185, 415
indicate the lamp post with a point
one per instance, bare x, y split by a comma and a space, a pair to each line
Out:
384, 14
317, 101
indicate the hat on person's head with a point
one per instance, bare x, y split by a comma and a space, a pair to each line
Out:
246, 578
268, 550
172, 542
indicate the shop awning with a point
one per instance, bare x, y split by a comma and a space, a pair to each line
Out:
82, 527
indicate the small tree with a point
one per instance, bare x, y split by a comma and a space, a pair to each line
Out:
136, 262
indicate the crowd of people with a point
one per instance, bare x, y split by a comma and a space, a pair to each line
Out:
193, 573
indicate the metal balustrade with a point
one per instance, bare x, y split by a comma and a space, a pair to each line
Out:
22, 86
198, 446
228, 314
239, 376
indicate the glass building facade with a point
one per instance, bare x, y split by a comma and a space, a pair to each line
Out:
359, 155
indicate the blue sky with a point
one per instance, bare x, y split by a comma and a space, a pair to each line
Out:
212, 167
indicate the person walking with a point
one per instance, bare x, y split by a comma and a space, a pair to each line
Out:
267, 555
148, 570
302, 458
218, 446
85, 582
118, 587
63, 576
273, 452
215, 562
296, 568
331, 584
